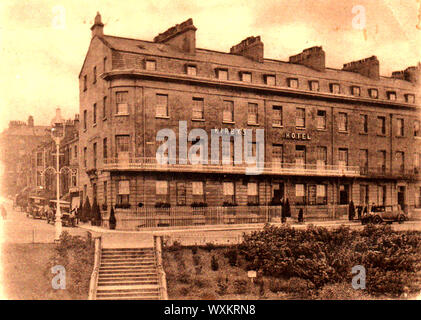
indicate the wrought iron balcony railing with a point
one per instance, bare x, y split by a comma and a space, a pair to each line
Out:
276, 168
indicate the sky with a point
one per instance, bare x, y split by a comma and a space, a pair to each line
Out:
43, 42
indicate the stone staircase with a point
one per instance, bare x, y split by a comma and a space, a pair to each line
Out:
128, 274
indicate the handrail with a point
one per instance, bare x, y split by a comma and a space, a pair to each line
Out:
95, 272
160, 269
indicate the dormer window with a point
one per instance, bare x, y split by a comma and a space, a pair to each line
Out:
270, 79
222, 74
245, 76
314, 85
409, 98
191, 70
150, 65
335, 88
373, 93
355, 91
391, 95
292, 83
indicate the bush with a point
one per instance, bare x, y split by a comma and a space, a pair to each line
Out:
184, 291
196, 260
176, 246
86, 211
112, 221
277, 285
194, 249
183, 277
199, 282
240, 286
208, 295
209, 246
341, 291
96, 218
214, 264
232, 255
222, 286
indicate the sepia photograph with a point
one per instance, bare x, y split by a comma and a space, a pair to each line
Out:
250, 152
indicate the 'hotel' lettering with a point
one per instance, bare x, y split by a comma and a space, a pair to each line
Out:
297, 136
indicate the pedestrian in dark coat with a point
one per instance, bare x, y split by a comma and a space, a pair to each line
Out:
301, 216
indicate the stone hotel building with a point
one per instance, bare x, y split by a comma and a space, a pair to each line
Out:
330, 135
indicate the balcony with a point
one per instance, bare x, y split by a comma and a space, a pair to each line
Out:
390, 173
268, 168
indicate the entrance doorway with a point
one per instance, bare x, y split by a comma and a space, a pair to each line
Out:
278, 190
401, 197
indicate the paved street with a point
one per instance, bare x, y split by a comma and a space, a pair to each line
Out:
20, 229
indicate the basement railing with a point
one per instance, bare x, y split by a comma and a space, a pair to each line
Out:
94, 276
162, 280
276, 168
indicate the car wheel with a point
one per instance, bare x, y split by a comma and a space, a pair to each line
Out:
377, 220
401, 219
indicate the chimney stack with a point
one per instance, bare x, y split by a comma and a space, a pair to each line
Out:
181, 36
30, 121
251, 47
411, 74
313, 57
369, 67
98, 27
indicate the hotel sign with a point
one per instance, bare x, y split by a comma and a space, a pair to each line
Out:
297, 136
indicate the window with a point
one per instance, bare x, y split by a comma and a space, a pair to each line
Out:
300, 157
191, 70
253, 193
122, 143
39, 159
417, 162
150, 65
391, 95
229, 192
409, 98
94, 154
222, 74
270, 80
381, 160
400, 161
85, 150
300, 117
416, 128
381, 195
277, 116
314, 85
381, 126
321, 194
292, 83
85, 119
198, 106
335, 88
252, 115
104, 107
364, 123
198, 191
245, 76
400, 128
343, 194
343, 157
181, 193
162, 191
321, 157
85, 83
104, 148
355, 91
364, 199
321, 119
122, 106
343, 122
94, 75
105, 192
94, 114
228, 114
161, 105
300, 193
277, 155
373, 93
364, 160
123, 192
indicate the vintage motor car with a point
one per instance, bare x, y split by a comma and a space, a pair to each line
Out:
35, 207
380, 214
67, 217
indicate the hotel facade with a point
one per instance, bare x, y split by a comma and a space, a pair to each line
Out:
331, 136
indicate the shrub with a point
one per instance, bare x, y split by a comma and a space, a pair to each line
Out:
232, 255
208, 295
240, 286
194, 249
196, 260
184, 291
183, 277
214, 264
86, 211
199, 282
301, 288
96, 218
222, 286
278, 285
112, 221
341, 291
176, 246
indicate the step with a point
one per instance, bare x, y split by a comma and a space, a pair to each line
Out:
127, 257
127, 264
127, 283
129, 260
138, 288
129, 297
101, 279
127, 250
127, 275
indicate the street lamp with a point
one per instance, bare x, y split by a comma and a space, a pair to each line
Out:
57, 133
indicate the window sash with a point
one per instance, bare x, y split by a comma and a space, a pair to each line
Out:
400, 127
374, 93
124, 187
252, 189
252, 113
150, 65
161, 187
181, 193
293, 83
314, 85
161, 105
246, 77
343, 121
321, 119
277, 116
270, 80
222, 74
198, 106
197, 188
335, 88
122, 143
300, 118
191, 70
228, 188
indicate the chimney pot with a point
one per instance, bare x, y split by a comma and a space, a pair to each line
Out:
98, 27
251, 47
313, 57
368, 67
181, 36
